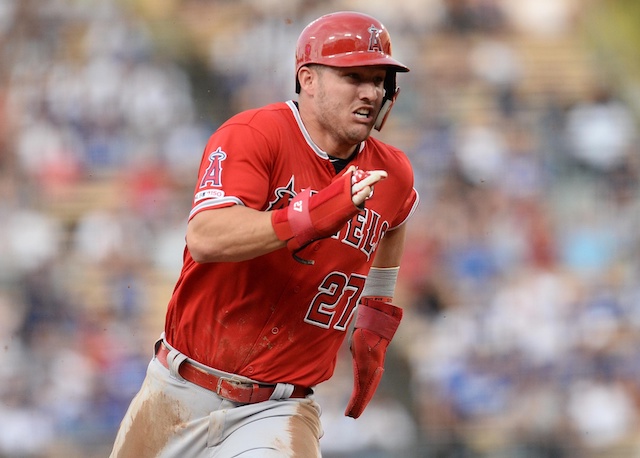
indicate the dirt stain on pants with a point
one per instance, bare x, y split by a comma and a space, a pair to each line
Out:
305, 430
147, 427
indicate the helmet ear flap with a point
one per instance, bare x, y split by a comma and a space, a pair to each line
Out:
391, 91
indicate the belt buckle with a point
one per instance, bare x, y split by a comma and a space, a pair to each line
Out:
219, 385
235, 384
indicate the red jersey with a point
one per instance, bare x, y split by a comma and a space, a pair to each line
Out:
271, 318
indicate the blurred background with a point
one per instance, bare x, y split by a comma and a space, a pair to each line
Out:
521, 278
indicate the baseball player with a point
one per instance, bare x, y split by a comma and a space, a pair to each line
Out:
296, 229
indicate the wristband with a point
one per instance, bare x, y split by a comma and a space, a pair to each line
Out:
381, 282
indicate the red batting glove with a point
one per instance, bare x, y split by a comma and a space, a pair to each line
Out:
312, 217
375, 326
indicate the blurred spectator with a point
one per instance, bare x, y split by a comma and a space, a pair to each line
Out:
481, 150
33, 239
600, 132
495, 62
541, 17
602, 412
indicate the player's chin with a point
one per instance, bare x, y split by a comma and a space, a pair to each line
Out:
359, 135
361, 130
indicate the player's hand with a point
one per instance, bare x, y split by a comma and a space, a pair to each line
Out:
362, 183
375, 326
312, 217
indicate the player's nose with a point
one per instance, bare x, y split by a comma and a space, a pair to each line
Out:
370, 91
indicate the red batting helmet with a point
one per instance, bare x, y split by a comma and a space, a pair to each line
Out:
350, 39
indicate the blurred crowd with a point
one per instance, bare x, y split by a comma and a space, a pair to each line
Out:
521, 279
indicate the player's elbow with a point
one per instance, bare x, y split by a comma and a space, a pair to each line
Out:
205, 249
211, 249
199, 251
204, 240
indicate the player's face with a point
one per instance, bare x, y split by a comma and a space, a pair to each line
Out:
348, 101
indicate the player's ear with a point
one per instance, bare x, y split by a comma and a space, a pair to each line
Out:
307, 78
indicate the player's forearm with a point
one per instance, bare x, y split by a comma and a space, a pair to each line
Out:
389, 253
231, 234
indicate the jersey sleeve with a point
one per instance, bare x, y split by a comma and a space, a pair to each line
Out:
410, 198
234, 169
407, 210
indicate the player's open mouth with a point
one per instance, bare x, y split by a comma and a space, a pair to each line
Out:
363, 113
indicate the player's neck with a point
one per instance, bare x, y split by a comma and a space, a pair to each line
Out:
324, 139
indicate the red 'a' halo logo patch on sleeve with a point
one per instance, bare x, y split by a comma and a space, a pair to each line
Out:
212, 177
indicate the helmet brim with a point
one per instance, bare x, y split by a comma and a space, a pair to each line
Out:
364, 59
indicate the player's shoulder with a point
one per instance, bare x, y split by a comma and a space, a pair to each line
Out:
388, 153
378, 144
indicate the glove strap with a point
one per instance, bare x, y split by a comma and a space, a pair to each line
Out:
379, 317
299, 218
308, 218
